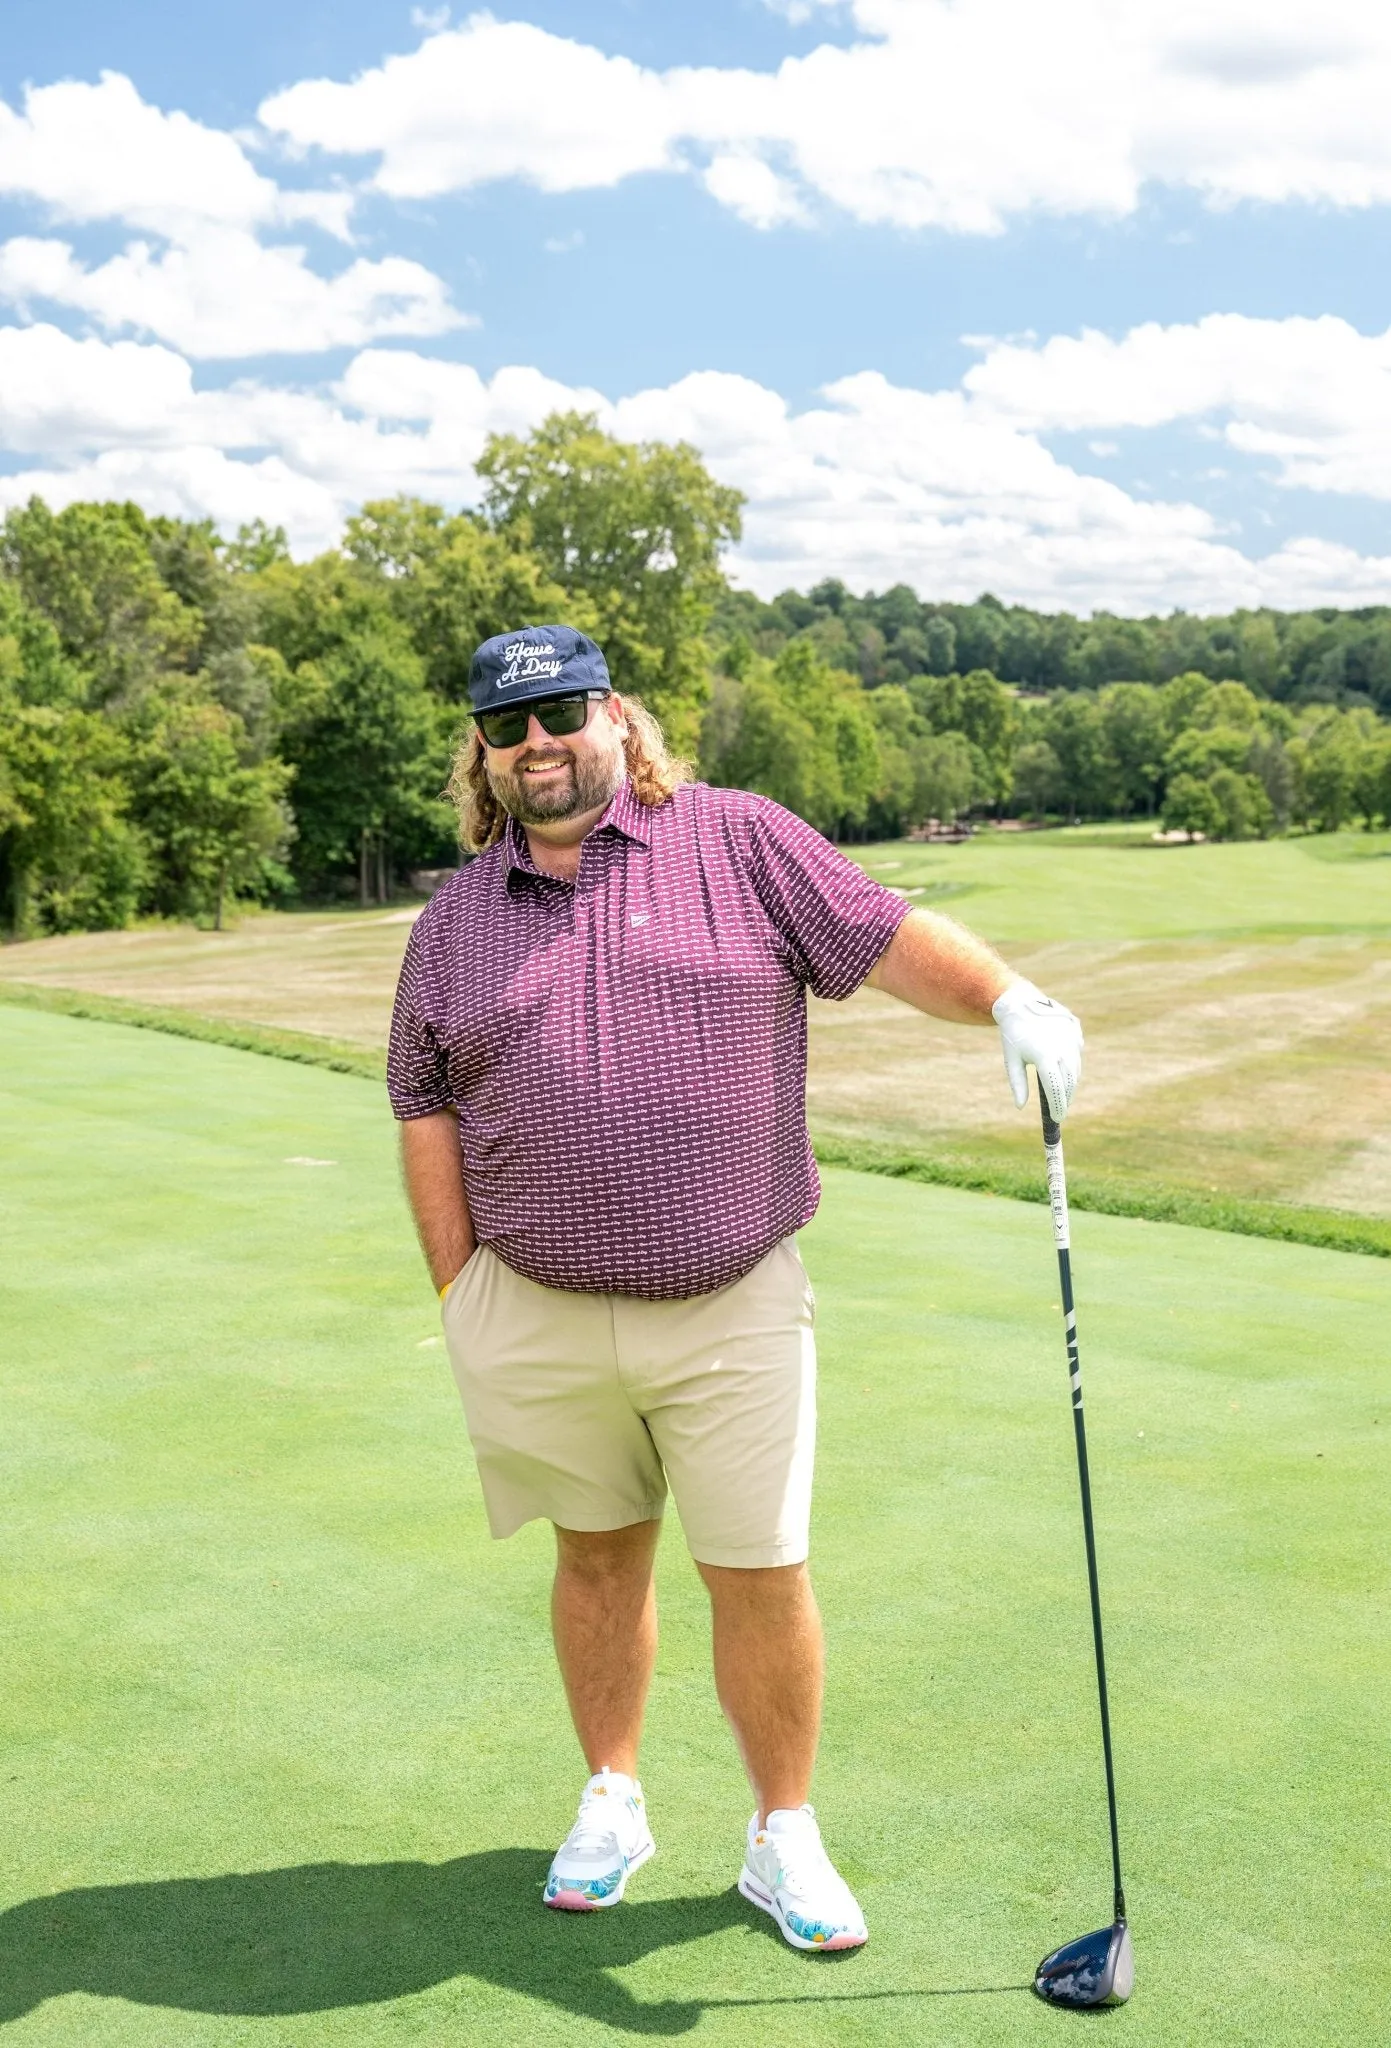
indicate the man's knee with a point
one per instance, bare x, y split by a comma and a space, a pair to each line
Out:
606, 1553
769, 1589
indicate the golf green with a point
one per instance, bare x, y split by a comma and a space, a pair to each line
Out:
285, 1753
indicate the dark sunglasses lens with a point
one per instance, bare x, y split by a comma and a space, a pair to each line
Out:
502, 728
556, 715
562, 714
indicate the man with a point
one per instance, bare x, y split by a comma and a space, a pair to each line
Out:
598, 1057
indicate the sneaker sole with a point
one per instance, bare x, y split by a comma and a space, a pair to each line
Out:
758, 1895
576, 1902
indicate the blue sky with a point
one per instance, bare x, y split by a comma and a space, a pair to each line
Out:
969, 296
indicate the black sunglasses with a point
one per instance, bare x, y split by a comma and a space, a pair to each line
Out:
555, 715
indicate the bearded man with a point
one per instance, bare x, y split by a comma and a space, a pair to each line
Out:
598, 1057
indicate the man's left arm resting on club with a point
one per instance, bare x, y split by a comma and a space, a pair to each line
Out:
941, 968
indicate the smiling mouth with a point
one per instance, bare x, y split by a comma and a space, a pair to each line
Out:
546, 767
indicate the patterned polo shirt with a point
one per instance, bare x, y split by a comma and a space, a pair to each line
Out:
627, 1054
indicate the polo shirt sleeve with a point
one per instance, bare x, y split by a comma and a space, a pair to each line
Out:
417, 1070
835, 919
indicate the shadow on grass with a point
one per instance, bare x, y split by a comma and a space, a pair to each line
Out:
326, 1935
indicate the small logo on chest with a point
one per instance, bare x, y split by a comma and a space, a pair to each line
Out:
638, 917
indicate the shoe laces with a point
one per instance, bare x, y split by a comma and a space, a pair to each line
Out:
802, 1854
599, 1818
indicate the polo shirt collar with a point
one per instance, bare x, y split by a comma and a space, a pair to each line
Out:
625, 816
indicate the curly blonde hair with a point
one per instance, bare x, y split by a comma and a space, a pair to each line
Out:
652, 770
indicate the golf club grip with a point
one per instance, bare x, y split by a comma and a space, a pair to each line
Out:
1057, 1185
1057, 1199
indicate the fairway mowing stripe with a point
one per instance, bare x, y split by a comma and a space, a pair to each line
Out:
1329, 1230
271, 1041
1334, 1230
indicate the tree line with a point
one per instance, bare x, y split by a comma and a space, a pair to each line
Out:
187, 720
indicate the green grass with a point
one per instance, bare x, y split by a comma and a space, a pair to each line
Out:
1098, 883
285, 1750
304, 1048
1237, 1001
1022, 1181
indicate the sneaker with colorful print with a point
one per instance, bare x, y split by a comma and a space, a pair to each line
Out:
788, 1873
609, 1840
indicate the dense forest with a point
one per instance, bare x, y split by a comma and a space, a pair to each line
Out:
187, 720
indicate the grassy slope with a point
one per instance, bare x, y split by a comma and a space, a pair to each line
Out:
287, 1753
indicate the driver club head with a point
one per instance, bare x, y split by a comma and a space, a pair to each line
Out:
1097, 1970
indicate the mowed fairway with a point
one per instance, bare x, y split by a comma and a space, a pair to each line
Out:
285, 1752
1237, 1001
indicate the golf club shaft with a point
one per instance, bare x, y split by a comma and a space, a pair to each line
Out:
1057, 1201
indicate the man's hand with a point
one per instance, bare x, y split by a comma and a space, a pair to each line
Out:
1037, 1032
433, 1172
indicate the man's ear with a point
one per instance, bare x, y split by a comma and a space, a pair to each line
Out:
617, 710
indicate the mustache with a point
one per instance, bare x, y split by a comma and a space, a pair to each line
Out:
537, 759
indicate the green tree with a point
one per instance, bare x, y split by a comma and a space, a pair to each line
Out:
1074, 728
899, 731
33, 667
1191, 806
1118, 649
1243, 808
940, 636
799, 732
1133, 724
369, 746
1328, 759
453, 583
1184, 701
1268, 760
1201, 749
637, 531
214, 817
257, 547
91, 571
70, 858
946, 777
980, 706
1037, 779
1260, 651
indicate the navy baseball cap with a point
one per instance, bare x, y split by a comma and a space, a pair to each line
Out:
535, 661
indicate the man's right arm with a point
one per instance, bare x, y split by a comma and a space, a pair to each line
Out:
433, 1171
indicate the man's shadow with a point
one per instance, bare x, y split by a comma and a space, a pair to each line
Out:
326, 1935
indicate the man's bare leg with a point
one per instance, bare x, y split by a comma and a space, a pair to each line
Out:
769, 1662
604, 1616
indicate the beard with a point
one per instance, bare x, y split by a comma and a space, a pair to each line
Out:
590, 780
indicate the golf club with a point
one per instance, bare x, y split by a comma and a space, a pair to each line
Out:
1099, 1969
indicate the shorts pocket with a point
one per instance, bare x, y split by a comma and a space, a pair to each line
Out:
790, 1244
461, 1279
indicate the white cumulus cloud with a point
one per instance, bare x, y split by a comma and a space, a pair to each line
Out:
1313, 394
953, 491
491, 100
100, 152
949, 113
212, 284
229, 294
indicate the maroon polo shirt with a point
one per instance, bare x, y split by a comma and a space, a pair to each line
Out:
628, 1053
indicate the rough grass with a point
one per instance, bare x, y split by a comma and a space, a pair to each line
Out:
1237, 1001
286, 1753
1022, 1180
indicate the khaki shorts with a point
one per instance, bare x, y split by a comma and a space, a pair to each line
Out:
582, 1407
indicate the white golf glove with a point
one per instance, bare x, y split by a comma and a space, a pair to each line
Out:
1037, 1032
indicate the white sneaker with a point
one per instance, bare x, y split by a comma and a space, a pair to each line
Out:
788, 1873
610, 1838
